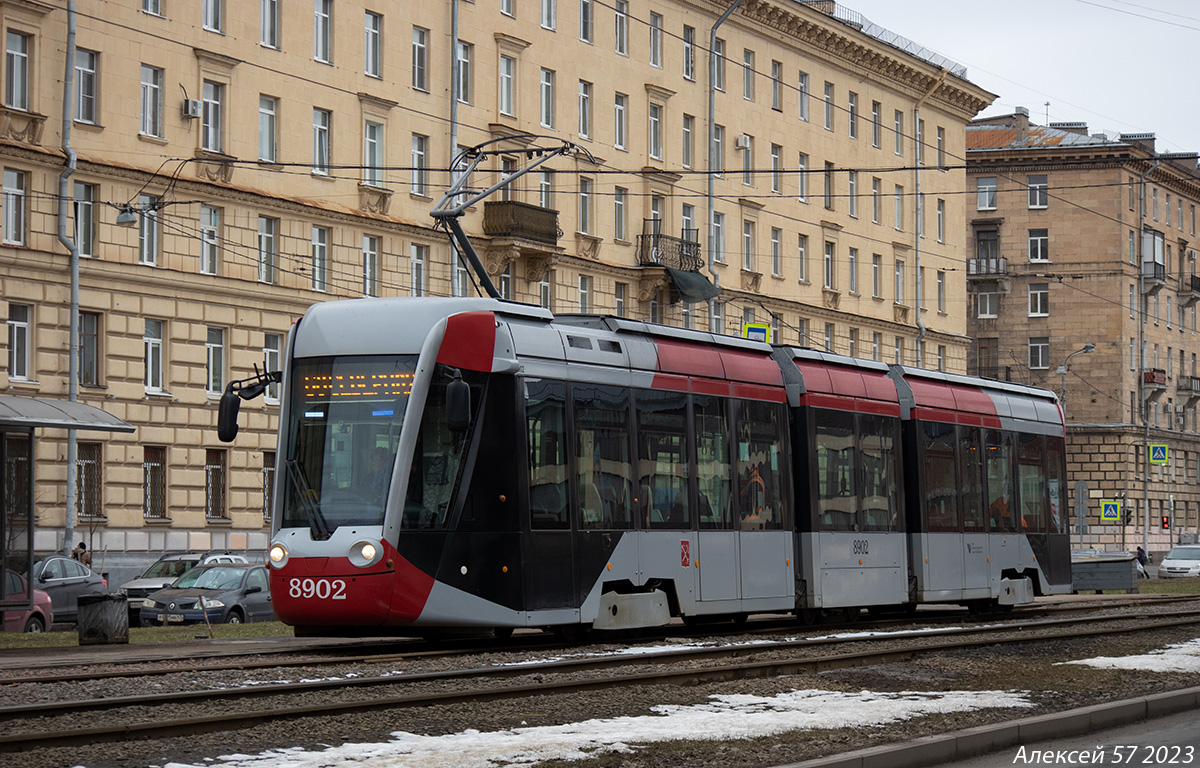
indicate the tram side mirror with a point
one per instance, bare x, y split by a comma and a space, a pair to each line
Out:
458, 404
227, 413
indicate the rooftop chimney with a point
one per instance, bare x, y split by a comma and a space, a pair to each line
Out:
1021, 121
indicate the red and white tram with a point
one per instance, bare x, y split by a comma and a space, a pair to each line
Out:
476, 463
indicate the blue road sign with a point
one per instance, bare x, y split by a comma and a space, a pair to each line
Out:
1110, 511
1158, 453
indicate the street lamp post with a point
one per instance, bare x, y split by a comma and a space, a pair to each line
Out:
1062, 371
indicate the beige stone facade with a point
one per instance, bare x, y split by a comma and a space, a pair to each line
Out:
264, 167
1057, 263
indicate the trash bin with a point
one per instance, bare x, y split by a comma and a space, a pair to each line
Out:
102, 619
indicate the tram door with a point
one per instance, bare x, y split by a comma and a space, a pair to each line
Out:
976, 554
547, 552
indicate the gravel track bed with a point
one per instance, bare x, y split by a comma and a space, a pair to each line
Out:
1029, 667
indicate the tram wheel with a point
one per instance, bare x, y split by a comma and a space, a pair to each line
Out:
808, 616
850, 615
502, 633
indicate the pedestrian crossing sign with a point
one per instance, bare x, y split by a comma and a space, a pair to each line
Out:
1158, 453
1110, 511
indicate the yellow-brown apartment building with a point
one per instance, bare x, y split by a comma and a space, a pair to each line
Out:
1083, 279
235, 162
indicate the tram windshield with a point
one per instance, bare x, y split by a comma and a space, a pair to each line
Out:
346, 414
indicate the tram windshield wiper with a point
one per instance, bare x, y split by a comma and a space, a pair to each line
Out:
316, 521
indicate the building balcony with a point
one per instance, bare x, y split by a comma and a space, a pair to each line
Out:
1154, 383
989, 268
1154, 277
1189, 290
1189, 389
515, 220
658, 250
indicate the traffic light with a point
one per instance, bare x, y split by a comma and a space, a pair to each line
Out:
1166, 522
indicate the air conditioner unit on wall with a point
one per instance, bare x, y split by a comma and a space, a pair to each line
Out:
191, 108
743, 141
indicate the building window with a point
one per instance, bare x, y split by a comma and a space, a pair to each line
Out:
549, 13
462, 65
373, 154
718, 55
941, 291
268, 248
656, 39
985, 193
776, 168
876, 275
154, 482
777, 86
941, 221
748, 245
898, 130
941, 147
320, 258
211, 139
898, 197
876, 200
547, 89
418, 257
19, 341
370, 254
16, 71
89, 349
987, 303
829, 266
372, 44
213, 15
829, 106
272, 344
619, 292
268, 29
619, 195
87, 86
876, 125
420, 59
214, 348
1039, 192
852, 192
1039, 245
268, 131
210, 239
152, 101
321, 127
88, 482
585, 294
148, 234
718, 237
546, 189
685, 150
585, 205
899, 281
1039, 352
747, 74
802, 177
776, 251
689, 52
621, 26
718, 151
747, 145
153, 355
585, 109
802, 258
852, 268
419, 184
585, 20
508, 74
323, 31
85, 218
852, 114
802, 92
655, 117
1039, 299
214, 484
828, 178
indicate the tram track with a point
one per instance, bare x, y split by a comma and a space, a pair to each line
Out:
57, 723
417, 650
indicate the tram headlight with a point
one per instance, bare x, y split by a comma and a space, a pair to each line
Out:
364, 553
278, 555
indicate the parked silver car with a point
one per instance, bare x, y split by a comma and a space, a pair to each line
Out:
65, 580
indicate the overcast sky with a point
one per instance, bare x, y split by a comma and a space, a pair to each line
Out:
1122, 66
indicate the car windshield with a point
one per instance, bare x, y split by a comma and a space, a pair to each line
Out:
1183, 553
167, 569
210, 578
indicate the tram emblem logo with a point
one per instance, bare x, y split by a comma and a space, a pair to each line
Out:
685, 553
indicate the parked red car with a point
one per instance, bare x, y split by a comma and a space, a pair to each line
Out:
35, 619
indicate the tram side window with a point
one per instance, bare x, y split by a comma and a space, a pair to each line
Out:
1031, 482
602, 458
837, 495
941, 488
663, 459
712, 462
760, 465
545, 408
879, 509
998, 468
1055, 483
971, 458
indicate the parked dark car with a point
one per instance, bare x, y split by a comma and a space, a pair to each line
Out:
163, 572
226, 592
37, 618
65, 580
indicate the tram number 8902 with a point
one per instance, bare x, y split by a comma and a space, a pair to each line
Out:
321, 589
860, 546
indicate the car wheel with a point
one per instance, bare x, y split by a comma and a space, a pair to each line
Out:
35, 625
235, 617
